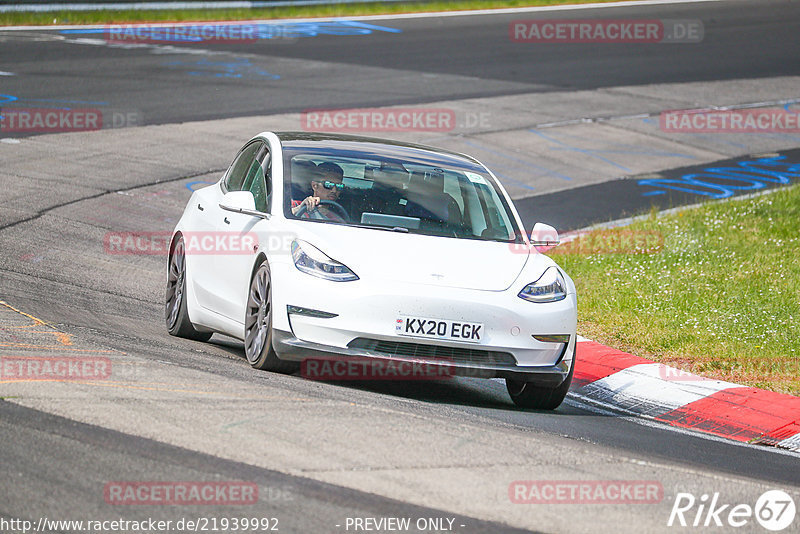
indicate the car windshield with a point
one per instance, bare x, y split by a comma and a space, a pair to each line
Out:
395, 187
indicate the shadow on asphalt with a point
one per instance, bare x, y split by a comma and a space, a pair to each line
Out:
466, 392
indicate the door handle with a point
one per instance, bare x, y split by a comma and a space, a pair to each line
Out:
201, 208
226, 220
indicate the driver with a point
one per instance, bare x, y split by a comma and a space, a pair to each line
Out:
327, 186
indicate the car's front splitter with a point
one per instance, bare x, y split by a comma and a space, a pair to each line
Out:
288, 347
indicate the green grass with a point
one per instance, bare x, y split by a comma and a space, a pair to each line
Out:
376, 8
716, 294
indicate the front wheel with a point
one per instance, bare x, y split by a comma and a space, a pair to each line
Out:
529, 395
176, 314
258, 325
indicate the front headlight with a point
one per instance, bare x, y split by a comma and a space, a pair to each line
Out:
313, 261
550, 287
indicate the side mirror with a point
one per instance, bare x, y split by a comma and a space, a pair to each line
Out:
241, 202
544, 236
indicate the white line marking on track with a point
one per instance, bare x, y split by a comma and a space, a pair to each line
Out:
792, 443
648, 385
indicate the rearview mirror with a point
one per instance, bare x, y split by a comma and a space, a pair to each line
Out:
241, 202
544, 235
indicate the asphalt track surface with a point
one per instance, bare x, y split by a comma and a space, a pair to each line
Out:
179, 410
432, 59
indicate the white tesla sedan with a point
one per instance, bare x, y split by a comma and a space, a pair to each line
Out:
330, 247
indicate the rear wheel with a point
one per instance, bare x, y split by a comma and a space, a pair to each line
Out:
176, 314
258, 325
529, 395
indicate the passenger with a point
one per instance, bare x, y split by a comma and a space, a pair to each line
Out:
327, 186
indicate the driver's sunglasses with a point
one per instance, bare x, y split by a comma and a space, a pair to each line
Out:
330, 185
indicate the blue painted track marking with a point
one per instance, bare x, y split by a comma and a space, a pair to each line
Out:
724, 182
192, 186
5, 99
260, 30
224, 69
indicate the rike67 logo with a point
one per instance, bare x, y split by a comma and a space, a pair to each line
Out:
774, 510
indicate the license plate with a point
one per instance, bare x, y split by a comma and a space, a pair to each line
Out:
439, 329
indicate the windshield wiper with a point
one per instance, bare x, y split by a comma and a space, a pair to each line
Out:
384, 228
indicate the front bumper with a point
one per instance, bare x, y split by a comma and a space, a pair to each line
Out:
289, 347
370, 309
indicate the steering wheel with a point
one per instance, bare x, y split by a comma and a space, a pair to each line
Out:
338, 208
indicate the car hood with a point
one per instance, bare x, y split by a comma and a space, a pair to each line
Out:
410, 258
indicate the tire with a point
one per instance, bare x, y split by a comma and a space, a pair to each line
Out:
175, 312
528, 395
258, 325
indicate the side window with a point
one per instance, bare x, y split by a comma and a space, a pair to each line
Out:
267, 166
257, 180
241, 165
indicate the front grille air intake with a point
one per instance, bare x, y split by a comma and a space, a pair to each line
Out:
434, 352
